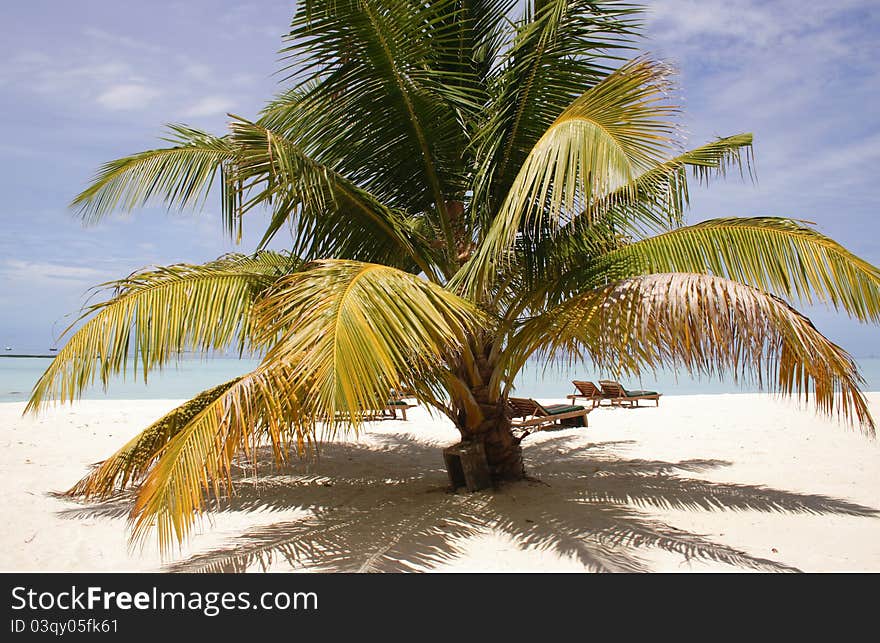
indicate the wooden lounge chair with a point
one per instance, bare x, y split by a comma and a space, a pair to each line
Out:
397, 405
528, 413
587, 390
619, 396
388, 412
400, 401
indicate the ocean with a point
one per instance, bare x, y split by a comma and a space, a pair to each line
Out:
189, 376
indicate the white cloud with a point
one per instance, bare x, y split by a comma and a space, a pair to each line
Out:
19, 271
127, 96
758, 22
46, 74
196, 70
209, 106
121, 40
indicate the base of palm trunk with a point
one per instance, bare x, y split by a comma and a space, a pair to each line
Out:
467, 467
481, 460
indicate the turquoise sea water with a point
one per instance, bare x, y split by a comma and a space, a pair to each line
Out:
190, 376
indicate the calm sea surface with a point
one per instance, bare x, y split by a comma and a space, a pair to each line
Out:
190, 376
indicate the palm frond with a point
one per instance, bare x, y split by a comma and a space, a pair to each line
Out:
778, 255
559, 50
180, 176
551, 266
328, 214
481, 28
133, 461
706, 325
661, 195
198, 459
359, 330
372, 67
155, 314
596, 147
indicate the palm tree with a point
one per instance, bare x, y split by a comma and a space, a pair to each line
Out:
467, 185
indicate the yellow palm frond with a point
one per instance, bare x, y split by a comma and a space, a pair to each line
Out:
155, 314
358, 330
197, 460
132, 462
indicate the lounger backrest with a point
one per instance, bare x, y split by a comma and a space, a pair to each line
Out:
587, 388
522, 406
612, 388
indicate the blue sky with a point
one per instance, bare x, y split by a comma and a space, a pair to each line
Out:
84, 82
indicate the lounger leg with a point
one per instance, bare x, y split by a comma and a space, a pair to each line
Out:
403, 413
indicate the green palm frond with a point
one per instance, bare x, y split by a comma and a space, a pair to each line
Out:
595, 149
705, 324
778, 255
598, 145
329, 215
180, 176
480, 28
559, 50
371, 65
155, 314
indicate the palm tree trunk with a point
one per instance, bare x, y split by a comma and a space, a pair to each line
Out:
503, 452
483, 417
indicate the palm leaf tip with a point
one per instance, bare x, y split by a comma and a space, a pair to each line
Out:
179, 176
153, 315
128, 466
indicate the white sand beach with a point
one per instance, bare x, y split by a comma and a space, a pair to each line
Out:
702, 483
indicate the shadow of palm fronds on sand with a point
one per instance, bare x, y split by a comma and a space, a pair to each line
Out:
584, 502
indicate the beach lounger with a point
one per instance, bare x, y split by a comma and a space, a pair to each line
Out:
588, 391
528, 413
400, 402
398, 405
619, 396
388, 412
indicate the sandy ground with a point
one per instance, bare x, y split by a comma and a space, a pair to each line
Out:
702, 483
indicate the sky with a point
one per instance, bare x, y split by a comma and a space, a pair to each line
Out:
88, 81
